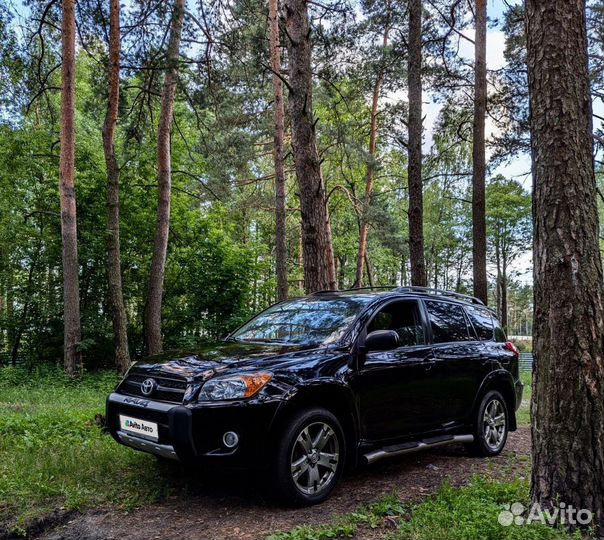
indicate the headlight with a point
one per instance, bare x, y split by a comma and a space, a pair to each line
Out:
234, 387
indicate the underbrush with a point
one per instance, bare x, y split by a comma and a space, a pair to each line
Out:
54, 453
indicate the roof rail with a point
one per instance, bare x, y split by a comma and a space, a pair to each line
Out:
441, 292
415, 289
368, 288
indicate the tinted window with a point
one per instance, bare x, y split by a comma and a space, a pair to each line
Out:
448, 322
499, 332
403, 318
481, 321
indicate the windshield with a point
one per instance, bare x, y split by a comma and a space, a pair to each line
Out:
306, 321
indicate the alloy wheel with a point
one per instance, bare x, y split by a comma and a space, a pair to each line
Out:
314, 458
494, 424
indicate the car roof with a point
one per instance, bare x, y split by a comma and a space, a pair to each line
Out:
425, 292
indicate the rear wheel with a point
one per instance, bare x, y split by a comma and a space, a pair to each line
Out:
490, 425
310, 457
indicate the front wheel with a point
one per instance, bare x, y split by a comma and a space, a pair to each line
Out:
310, 457
490, 425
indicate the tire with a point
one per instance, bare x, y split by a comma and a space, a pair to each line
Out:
490, 429
311, 456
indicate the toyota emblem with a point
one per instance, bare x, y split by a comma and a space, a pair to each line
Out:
148, 386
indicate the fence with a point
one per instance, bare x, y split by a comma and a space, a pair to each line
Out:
526, 361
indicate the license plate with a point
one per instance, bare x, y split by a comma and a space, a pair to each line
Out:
142, 428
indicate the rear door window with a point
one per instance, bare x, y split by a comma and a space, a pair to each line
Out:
482, 321
448, 322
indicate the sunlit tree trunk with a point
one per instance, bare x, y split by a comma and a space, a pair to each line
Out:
414, 168
319, 266
153, 338
114, 272
373, 135
71, 294
504, 294
568, 384
280, 247
479, 226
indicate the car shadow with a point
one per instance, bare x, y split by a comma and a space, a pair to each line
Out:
253, 488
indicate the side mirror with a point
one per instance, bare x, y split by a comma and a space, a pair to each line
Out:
382, 340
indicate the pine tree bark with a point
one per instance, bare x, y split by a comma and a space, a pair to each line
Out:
319, 266
72, 359
373, 135
414, 167
479, 225
279, 117
153, 338
114, 271
504, 296
568, 379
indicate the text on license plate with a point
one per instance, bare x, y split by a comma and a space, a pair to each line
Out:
143, 428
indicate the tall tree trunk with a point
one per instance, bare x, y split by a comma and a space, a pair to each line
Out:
153, 339
3, 315
504, 295
280, 240
10, 304
364, 229
29, 291
479, 225
414, 167
498, 281
72, 335
114, 272
319, 267
568, 383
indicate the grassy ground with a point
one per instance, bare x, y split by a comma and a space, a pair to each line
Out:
53, 453
523, 415
467, 513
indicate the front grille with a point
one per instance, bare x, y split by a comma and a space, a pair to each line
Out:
170, 390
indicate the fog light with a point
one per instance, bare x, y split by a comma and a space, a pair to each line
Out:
230, 439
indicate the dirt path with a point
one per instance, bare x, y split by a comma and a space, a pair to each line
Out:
219, 512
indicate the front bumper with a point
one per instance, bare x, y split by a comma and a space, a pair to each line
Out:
193, 433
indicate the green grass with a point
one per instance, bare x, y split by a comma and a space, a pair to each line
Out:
53, 454
469, 512
523, 415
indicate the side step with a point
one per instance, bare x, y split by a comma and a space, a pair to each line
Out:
415, 446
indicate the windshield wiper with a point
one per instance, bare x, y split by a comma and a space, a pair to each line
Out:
264, 340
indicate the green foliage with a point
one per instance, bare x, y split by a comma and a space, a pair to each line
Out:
221, 255
509, 224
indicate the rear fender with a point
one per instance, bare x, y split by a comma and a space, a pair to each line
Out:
502, 381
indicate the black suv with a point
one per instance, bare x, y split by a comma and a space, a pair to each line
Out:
317, 384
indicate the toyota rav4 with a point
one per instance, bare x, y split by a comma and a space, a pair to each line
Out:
337, 379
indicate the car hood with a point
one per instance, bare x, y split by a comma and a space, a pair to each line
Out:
221, 358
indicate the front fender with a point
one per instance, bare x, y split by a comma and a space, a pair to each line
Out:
327, 393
